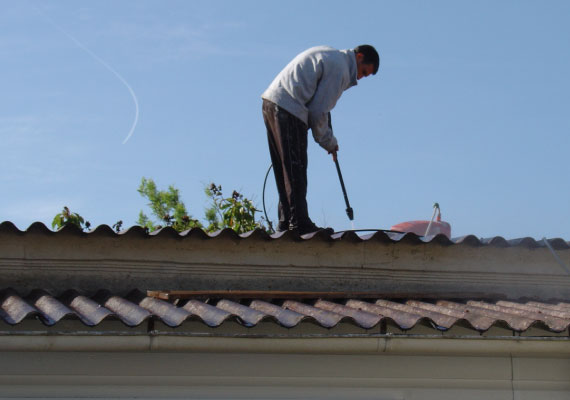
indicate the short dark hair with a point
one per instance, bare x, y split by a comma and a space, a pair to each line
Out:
370, 55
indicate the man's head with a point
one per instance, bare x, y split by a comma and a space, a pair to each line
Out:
367, 61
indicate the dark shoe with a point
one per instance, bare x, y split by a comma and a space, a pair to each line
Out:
311, 227
282, 226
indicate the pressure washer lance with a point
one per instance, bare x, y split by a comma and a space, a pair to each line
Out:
349, 211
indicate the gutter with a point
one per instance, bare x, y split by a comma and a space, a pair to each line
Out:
557, 347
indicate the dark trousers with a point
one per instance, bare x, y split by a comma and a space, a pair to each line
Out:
287, 137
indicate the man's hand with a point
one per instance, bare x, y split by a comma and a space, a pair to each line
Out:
333, 152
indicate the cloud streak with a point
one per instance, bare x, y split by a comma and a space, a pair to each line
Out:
104, 64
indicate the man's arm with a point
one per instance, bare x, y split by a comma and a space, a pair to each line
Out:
329, 90
321, 127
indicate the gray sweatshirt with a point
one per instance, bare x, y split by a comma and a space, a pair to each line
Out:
310, 85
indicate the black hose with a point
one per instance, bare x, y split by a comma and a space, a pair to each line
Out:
342, 184
369, 230
263, 198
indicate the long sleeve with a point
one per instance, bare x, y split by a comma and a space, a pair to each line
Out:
329, 90
322, 131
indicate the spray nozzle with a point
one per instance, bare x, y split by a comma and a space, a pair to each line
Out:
436, 208
349, 211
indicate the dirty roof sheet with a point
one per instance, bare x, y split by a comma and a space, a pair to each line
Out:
137, 307
358, 236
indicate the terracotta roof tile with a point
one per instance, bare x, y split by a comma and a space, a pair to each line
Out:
137, 307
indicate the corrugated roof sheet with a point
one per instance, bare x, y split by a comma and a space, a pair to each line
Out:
137, 307
377, 235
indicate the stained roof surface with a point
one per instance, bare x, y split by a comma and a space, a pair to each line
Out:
138, 307
359, 235
366, 313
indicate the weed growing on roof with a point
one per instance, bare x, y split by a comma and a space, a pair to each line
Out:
168, 210
235, 212
117, 226
66, 217
166, 207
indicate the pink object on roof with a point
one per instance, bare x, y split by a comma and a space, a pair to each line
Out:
420, 227
426, 228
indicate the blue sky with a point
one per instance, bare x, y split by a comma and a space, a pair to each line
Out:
470, 108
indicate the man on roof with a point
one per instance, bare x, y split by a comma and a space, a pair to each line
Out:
301, 97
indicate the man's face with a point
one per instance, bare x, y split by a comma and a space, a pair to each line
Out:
363, 70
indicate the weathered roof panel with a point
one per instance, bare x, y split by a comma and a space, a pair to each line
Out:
327, 313
130, 313
357, 235
324, 318
14, 308
51, 309
212, 316
363, 319
166, 312
285, 317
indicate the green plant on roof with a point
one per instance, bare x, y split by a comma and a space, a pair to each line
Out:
168, 210
235, 212
166, 207
66, 217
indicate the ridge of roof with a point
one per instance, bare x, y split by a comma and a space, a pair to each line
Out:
385, 236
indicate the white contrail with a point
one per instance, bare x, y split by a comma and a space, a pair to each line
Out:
102, 62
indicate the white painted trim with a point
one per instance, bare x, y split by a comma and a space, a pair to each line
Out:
551, 347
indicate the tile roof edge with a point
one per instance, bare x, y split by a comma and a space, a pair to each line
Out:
381, 236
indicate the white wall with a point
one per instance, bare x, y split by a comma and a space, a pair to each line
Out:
282, 376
